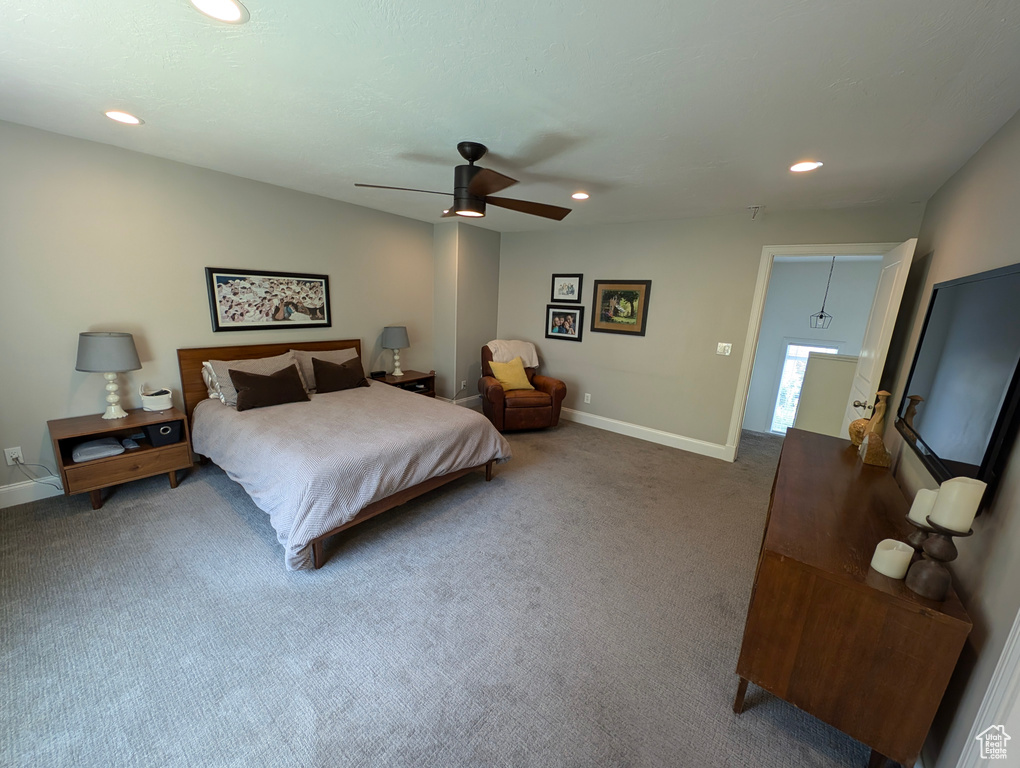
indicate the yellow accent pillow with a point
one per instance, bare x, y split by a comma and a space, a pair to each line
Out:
511, 375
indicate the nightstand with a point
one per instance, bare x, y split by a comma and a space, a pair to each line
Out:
145, 461
413, 381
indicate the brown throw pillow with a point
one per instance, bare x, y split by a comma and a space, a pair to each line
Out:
333, 377
257, 391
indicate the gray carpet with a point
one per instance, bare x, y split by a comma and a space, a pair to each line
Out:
584, 608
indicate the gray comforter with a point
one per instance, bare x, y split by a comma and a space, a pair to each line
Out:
313, 466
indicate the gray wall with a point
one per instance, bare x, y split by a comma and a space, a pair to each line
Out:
98, 238
703, 274
445, 308
466, 293
970, 225
477, 301
795, 292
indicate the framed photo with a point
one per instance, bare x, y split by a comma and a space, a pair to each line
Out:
620, 306
566, 288
564, 323
252, 300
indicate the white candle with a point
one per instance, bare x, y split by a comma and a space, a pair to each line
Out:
957, 503
921, 508
892, 558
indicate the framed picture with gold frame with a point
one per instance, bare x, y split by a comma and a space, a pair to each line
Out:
620, 306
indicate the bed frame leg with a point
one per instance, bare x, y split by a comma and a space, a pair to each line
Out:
488, 471
317, 554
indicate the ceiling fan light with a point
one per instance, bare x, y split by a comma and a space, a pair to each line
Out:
469, 206
580, 195
807, 165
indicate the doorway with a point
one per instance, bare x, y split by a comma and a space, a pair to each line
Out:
796, 305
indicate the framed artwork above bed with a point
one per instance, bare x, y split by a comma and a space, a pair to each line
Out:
253, 300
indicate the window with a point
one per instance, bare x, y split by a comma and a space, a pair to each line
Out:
790, 382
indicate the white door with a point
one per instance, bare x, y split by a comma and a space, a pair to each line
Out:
895, 267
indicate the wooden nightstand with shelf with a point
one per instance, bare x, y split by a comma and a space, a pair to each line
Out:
145, 461
413, 381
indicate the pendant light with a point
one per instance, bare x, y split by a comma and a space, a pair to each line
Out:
821, 318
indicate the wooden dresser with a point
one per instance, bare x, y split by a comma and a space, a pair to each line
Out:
826, 633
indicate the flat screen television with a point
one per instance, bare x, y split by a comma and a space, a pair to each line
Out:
959, 410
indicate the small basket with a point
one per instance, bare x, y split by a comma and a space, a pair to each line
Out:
158, 400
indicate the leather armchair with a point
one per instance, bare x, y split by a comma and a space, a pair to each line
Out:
521, 408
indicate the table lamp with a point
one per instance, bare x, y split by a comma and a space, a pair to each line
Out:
395, 337
108, 354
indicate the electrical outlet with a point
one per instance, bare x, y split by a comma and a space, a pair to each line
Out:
723, 348
13, 455
587, 397
463, 384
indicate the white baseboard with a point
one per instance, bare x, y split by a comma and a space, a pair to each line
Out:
466, 402
714, 450
26, 491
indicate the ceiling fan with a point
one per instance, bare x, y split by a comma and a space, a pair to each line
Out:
474, 186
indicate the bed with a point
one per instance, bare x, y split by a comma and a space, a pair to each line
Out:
322, 466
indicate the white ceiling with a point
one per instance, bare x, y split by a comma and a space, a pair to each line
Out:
660, 109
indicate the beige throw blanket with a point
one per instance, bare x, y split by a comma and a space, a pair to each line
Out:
505, 351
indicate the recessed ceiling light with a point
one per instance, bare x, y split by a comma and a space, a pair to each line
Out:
580, 195
230, 11
124, 117
808, 165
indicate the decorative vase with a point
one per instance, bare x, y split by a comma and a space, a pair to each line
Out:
860, 427
872, 449
857, 429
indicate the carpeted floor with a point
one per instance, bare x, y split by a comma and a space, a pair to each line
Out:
584, 608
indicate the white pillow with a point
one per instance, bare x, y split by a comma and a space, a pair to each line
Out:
307, 370
262, 366
212, 386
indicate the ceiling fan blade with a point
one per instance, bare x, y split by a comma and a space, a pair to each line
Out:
404, 189
488, 182
449, 213
525, 206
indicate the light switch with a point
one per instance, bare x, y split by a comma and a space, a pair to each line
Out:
723, 349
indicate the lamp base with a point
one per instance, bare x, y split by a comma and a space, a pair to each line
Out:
114, 412
396, 364
113, 409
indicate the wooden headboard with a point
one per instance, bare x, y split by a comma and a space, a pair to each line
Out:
190, 361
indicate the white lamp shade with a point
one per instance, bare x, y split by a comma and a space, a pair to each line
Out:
107, 353
395, 337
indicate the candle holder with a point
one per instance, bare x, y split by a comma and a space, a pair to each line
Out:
919, 536
929, 576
